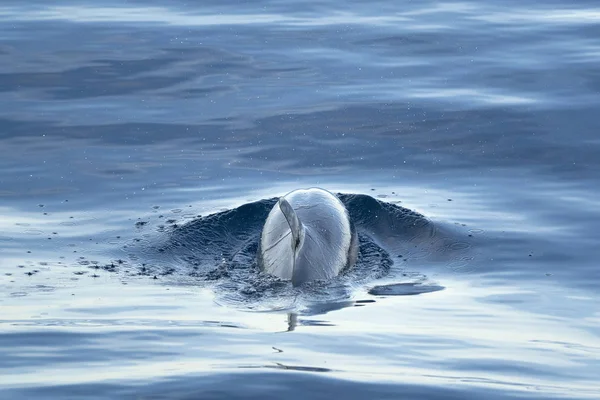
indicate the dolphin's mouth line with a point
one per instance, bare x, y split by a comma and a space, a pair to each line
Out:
278, 241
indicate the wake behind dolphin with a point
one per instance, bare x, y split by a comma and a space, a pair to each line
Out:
355, 241
307, 236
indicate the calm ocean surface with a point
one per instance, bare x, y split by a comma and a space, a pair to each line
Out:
122, 122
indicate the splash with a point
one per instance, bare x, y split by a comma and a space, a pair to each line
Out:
219, 251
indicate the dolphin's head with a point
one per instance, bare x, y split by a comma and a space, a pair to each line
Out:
312, 241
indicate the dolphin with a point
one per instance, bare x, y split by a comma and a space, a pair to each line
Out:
307, 236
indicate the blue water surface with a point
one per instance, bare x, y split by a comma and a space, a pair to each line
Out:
121, 122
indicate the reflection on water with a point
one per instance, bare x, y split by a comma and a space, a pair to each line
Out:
116, 119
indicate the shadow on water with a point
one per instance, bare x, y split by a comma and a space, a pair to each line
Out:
270, 385
219, 251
